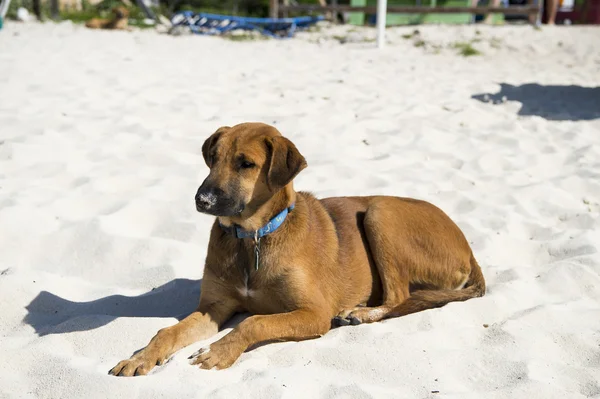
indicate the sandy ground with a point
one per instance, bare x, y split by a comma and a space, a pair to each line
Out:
100, 137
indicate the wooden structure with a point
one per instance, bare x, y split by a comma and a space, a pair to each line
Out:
533, 10
587, 12
394, 19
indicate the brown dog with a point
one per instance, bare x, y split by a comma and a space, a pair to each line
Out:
296, 262
119, 20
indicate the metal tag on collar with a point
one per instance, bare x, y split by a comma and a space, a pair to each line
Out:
256, 250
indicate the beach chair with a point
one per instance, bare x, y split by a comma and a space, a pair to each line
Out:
214, 24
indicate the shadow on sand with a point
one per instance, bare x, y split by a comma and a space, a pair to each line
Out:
51, 314
556, 103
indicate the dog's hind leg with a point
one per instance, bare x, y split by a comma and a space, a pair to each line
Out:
413, 242
394, 276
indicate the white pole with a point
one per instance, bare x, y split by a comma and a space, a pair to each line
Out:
4, 8
381, 18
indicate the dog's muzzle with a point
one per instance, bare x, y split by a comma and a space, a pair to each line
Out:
213, 201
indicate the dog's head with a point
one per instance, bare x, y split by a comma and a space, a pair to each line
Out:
248, 164
120, 12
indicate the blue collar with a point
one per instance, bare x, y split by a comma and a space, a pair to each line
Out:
270, 227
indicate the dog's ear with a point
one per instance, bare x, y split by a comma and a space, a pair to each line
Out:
285, 162
209, 145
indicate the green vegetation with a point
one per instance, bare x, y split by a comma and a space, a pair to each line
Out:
420, 43
249, 8
88, 11
415, 33
466, 49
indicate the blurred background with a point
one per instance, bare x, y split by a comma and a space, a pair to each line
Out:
141, 12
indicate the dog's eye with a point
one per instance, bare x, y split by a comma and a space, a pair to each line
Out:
246, 165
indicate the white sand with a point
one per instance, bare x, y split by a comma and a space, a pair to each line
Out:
100, 137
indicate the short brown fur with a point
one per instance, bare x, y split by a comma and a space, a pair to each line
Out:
119, 20
351, 259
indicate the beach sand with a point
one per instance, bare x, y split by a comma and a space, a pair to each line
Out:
100, 138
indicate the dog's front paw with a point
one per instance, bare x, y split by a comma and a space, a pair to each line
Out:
217, 355
339, 321
136, 365
346, 318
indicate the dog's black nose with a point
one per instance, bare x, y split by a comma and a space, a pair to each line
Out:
205, 200
214, 201
207, 197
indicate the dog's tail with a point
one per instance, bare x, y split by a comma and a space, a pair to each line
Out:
429, 299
